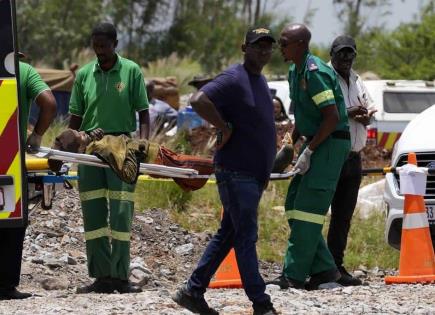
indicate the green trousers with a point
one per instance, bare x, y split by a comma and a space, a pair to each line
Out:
308, 199
106, 201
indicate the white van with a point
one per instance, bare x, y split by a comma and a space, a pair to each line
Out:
397, 102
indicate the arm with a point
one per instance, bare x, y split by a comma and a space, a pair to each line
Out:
47, 113
295, 134
329, 122
207, 110
75, 122
47, 106
144, 124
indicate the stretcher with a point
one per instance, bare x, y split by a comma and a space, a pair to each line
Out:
152, 169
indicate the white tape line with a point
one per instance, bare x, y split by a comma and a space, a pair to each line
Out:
415, 221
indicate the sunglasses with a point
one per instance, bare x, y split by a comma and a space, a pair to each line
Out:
262, 49
345, 55
284, 44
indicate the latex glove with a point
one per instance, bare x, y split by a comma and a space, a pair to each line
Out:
33, 143
303, 162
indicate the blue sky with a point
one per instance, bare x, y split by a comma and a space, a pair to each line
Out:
325, 25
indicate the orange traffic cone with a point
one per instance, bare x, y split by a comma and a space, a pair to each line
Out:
227, 275
417, 259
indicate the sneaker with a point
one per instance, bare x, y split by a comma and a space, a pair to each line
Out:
328, 278
125, 286
100, 285
197, 305
13, 294
284, 283
264, 309
347, 279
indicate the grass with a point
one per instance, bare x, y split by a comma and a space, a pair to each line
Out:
366, 244
200, 211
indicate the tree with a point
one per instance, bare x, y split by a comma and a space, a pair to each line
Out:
405, 53
138, 21
350, 12
54, 31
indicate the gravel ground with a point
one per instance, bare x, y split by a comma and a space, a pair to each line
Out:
163, 255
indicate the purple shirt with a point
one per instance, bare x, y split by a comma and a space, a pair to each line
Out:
244, 100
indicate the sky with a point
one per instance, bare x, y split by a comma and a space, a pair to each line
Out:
325, 25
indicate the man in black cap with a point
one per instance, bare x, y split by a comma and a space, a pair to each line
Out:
359, 110
238, 103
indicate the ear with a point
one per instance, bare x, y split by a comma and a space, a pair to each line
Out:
115, 43
244, 48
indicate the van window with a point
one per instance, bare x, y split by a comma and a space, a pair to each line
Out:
407, 102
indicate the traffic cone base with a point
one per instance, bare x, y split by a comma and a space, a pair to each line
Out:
227, 275
409, 279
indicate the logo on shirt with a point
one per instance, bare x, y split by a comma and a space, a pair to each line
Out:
120, 86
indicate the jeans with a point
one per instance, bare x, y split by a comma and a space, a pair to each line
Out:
240, 195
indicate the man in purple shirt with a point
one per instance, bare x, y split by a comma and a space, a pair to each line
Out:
238, 103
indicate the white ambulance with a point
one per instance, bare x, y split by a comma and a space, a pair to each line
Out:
397, 102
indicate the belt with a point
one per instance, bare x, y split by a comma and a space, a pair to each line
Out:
353, 154
337, 134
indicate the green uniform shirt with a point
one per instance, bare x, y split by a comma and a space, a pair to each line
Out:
312, 88
31, 85
109, 99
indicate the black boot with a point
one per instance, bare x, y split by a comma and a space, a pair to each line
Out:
13, 294
125, 286
284, 283
324, 280
264, 309
197, 305
100, 285
347, 279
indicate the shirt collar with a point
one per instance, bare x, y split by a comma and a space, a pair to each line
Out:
353, 76
304, 63
116, 66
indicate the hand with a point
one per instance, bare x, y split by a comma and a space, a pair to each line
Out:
96, 134
223, 135
304, 161
33, 143
356, 110
365, 119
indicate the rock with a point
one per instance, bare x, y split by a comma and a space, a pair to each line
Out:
58, 283
53, 263
348, 290
184, 249
139, 277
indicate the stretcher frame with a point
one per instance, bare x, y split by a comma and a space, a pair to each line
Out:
152, 169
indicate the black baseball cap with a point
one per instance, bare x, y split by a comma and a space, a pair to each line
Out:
255, 34
341, 42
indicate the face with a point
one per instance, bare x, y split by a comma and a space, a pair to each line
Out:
277, 108
259, 52
343, 60
103, 47
288, 47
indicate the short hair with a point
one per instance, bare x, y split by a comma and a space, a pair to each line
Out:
106, 29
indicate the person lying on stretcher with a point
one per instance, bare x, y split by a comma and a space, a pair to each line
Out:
124, 155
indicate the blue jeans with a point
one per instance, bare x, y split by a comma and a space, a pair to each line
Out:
240, 195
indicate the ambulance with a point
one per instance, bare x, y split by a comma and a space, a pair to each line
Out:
397, 103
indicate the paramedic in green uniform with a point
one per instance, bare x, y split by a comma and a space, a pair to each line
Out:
107, 93
320, 117
32, 88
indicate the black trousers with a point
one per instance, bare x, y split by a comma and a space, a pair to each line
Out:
343, 206
11, 250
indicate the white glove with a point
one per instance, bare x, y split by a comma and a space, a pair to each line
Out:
303, 162
33, 143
